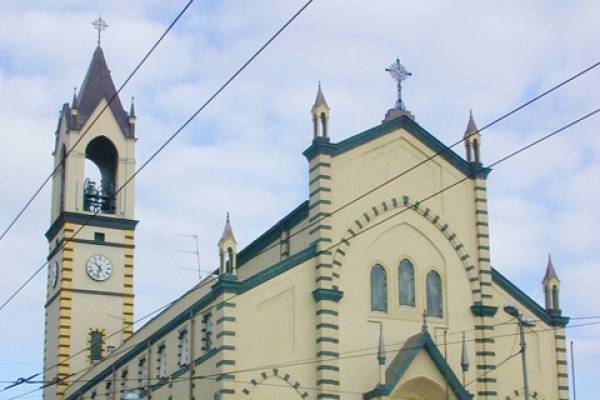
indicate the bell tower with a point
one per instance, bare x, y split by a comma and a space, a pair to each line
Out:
91, 234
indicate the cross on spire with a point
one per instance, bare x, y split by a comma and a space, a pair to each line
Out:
399, 73
99, 25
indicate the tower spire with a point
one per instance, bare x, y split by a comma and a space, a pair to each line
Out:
320, 115
472, 139
551, 285
227, 250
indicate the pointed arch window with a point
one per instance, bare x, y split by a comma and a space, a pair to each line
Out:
406, 283
434, 294
378, 289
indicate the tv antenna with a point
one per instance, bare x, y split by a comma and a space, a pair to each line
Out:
195, 252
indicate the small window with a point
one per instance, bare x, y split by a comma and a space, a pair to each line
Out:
184, 347
434, 294
142, 373
406, 283
124, 382
96, 345
109, 390
378, 289
99, 236
207, 332
161, 362
93, 395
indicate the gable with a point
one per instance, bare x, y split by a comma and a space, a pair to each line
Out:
405, 123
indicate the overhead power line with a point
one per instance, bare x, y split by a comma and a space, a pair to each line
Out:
166, 143
497, 162
346, 355
113, 97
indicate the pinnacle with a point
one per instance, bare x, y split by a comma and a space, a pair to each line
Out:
471, 127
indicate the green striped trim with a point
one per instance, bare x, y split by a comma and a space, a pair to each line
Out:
324, 278
561, 362
325, 353
318, 227
562, 375
487, 367
483, 235
319, 189
485, 353
327, 339
225, 333
561, 350
327, 312
223, 319
328, 382
225, 362
488, 393
328, 396
323, 265
483, 247
319, 215
486, 379
328, 368
560, 337
324, 325
484, 327
563, 388
481, 188
225, 304
318, 177
480, 200
318, 202
485, 340
317, 165
481, 212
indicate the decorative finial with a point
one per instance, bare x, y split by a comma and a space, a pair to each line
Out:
99, 25
227, 217
74, 101
399, 73
132, 108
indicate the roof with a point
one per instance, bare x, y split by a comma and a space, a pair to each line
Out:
387, 127
550, 272
471, 127
227, 232
406, 355
320, 99
98, 85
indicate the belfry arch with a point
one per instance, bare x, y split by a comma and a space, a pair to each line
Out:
387, 209
100, 196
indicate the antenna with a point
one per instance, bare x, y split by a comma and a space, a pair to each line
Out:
196, 252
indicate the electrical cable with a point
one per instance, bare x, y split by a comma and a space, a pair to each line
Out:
510, 155
166, 143
113, 97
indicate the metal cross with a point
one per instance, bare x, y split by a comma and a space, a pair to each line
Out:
398, 73
99, 25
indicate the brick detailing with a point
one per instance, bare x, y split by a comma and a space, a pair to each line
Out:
320, 233
394, 206
279, 375
562, 369
226, 340
128, 287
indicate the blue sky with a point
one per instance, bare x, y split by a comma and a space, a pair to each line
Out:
248, 144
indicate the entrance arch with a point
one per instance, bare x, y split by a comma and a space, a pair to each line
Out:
420, 388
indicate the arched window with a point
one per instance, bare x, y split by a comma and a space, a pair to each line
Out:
555, 304
378, 289
434, 294
229, 264
406, 283
324, 125
102, 159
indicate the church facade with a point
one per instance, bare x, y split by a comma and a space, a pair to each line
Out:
378, 286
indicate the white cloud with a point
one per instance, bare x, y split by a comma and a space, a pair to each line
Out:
248, 143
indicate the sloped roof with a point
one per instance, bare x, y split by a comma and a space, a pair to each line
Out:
227, 232
406, 355
320, 99
98, 85
550, 272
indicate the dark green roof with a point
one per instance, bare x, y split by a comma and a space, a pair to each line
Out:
429, 140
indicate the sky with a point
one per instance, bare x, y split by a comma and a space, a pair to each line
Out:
244, 153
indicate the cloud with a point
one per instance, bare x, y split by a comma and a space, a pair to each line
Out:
243, 153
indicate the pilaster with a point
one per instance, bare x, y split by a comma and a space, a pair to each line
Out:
562, 369
225, 336
326, 293
484, 310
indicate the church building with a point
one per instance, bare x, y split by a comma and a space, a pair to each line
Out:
378, 286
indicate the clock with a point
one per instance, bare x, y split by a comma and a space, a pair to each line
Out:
54, 274
99, 267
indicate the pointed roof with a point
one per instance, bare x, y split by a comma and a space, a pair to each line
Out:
320, 99
550, 272
96, 86
227, 232
404, 358
132, 108
471, 127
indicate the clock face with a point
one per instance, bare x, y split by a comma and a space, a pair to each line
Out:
99, 268
54, 274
